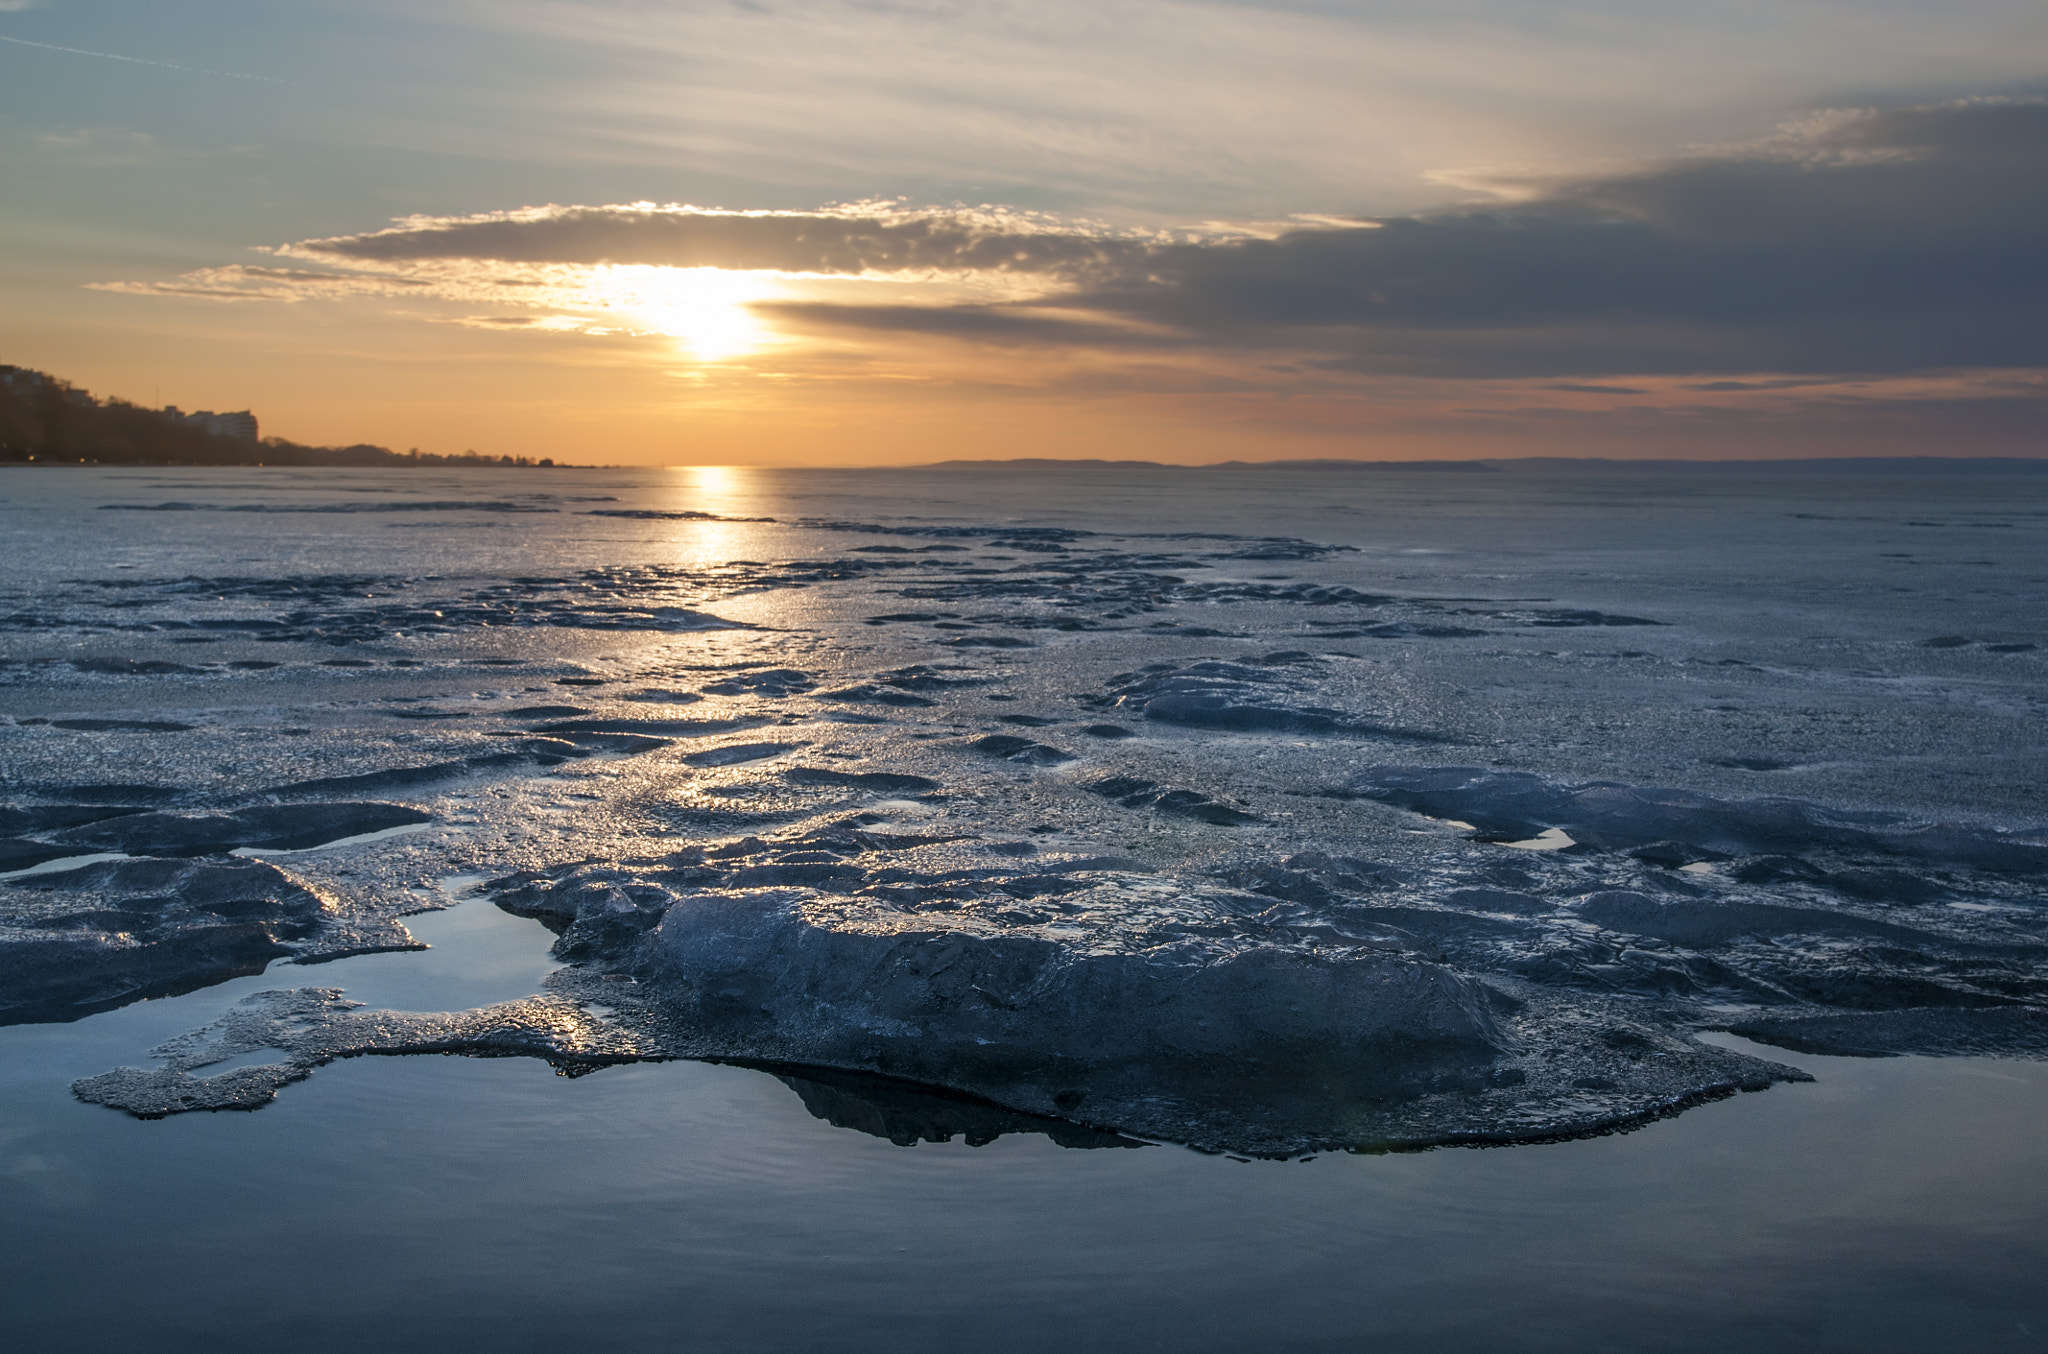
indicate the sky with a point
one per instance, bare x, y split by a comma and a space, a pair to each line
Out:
829, 232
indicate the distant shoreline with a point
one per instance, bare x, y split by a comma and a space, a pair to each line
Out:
342, 459
314, 460
45, 420
1964, 465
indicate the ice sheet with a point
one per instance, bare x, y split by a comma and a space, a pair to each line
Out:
1190, 809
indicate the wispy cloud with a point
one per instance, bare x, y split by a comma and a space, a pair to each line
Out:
133, 60
1177, 108
108, 146
244, 282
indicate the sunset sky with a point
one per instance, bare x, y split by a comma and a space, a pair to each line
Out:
656, 231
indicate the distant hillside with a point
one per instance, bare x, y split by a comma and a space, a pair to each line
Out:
44, 419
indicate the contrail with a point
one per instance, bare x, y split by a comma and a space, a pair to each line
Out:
139, 61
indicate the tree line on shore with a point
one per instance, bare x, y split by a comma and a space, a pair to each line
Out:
46, 420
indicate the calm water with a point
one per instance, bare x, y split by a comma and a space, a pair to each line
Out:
488, 1204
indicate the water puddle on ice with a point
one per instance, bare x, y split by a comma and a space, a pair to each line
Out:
65, 863
477, 955
1550, 839
269, 852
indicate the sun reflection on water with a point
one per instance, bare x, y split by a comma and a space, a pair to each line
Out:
707, 545
719, 490
709, 482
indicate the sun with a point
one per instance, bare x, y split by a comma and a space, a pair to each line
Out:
704, 309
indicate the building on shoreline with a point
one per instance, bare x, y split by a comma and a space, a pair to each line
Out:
239, 424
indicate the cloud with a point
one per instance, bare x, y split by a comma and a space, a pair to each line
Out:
133, 60
243, 282
876, 237
116, 147
1899, 241
1869, 242
1779, 383
1181, 108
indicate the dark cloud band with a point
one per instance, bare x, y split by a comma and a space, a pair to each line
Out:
1882, 242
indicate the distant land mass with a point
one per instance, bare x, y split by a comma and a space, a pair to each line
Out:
1810, 465
1096, 463
46, 420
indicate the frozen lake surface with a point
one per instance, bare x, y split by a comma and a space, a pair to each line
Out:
904, 870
